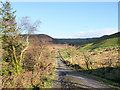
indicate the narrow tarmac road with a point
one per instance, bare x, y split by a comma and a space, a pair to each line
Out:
66, 78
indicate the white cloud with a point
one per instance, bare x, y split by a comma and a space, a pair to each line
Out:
95, 33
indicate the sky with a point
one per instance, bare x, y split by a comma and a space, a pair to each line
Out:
71, 19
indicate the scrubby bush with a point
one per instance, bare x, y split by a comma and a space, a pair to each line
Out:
26, 62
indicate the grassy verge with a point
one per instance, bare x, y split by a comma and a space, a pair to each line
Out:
48, 83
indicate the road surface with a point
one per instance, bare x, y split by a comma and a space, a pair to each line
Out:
66, 78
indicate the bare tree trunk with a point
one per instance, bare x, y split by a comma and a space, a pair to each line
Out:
21, 57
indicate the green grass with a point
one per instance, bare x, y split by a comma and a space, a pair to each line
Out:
62, 51
112, 42
103, 42
70, 52
65, 54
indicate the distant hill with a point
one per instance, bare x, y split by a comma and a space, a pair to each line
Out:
78, 41
39, 36
70, 41
73, 42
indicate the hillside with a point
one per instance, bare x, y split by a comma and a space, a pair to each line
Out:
39, 36
44, 37
78, 41
104, 42
97, 59
69, 41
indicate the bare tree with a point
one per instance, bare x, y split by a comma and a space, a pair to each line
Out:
29, 28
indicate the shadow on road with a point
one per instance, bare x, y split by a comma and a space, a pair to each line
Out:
72, 85
66, 78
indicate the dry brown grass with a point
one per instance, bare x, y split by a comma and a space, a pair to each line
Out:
99, 58
103, 63
57, 47
39, 63
26, 80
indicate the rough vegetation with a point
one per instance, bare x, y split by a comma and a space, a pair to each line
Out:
39, 68
99, 58
26, 62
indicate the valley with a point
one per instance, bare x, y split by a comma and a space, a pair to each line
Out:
30, 59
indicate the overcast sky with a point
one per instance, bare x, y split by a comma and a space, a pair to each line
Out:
71, 19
